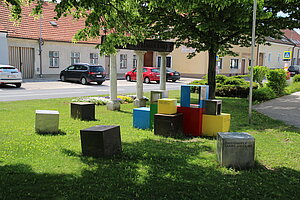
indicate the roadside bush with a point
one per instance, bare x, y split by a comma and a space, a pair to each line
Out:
241, 91
197, 82
263, 94
277, 80
221, 78
234, 81
259, 73
296, 78
240, 76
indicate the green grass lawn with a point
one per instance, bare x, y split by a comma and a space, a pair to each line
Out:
34, 166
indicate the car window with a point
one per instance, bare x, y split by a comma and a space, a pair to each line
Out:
8, 69
96, 69
170, 70
144, 70
155, 70
71, 68
134, 70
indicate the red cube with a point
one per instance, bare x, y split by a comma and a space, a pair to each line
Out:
192, 120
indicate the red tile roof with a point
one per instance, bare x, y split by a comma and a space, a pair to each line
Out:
293, 36
29, 27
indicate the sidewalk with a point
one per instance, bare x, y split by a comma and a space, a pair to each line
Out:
286, 109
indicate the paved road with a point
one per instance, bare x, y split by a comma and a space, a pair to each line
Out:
57, 89
286, 108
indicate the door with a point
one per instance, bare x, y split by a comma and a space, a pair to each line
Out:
243, 66
148, 59
23, 59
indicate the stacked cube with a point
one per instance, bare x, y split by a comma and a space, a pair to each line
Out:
214, 120
192, 113
168, 122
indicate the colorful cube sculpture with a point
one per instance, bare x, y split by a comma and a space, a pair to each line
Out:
168, 125
155, 95
101, 141
141, 118
46, 121
153, 111
167, 106
212, 124
185, 97
192, 120
236, 149
213, 107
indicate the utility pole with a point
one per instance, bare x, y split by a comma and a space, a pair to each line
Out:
252, 59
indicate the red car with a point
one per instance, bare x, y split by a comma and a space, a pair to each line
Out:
149, 74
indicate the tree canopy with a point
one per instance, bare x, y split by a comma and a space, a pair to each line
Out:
205, 25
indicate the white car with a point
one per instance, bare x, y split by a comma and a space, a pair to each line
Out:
10, 75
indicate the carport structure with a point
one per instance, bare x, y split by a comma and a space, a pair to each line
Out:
164, 48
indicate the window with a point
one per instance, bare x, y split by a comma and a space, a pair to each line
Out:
134, 61
168, 61
54, 58
93, 58
234, 63
75, 57
269, 57
123, 61
220, 63
158, 61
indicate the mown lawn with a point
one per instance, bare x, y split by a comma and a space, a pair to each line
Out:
34, 166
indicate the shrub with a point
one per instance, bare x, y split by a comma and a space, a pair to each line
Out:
103, 100
277, 80
197, 82
296, 78
241, 76
234, 81
259, 73
241, 91
221, 78
263, 94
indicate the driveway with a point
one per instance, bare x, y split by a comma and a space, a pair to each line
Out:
286, 108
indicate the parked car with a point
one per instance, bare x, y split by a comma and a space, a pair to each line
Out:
294, 69
10, 75
172, 75
84, 73
149, 74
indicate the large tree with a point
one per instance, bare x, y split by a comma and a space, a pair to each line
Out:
205, 25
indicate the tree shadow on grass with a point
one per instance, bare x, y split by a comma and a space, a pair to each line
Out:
151, 169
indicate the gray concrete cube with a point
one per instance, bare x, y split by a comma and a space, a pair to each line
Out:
213, 107
46, 121
236, 149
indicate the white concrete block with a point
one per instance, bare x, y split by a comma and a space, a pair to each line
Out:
47, 121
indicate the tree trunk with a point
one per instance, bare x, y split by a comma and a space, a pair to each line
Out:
212, 60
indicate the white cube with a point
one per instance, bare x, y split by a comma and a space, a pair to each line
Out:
47, 121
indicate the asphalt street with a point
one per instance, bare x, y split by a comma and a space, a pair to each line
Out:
56, 89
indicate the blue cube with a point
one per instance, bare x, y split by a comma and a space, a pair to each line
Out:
185, 97
141, 118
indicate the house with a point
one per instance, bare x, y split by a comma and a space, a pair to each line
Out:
42, 46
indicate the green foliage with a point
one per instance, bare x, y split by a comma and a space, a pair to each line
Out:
296, 78
241, 91
197, 82
235, 81
103, 100
277, 80
259, 73
241, 76
263, 94
293, 87
221, 79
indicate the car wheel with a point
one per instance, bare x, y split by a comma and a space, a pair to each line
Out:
173, 80
147, 80
62, 78
100, 83
128, 78
83, 81
18, 85
157, 81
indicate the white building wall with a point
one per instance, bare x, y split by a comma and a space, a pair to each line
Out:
3, 49
273, 55
65, 49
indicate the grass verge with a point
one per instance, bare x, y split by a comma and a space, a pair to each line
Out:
34, 166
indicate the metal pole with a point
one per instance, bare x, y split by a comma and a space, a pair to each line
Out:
40, 47
252, 59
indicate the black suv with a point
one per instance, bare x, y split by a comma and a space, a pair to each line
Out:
84, 73
294, 69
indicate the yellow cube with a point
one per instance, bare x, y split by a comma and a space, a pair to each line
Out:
212, 124
167, 106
